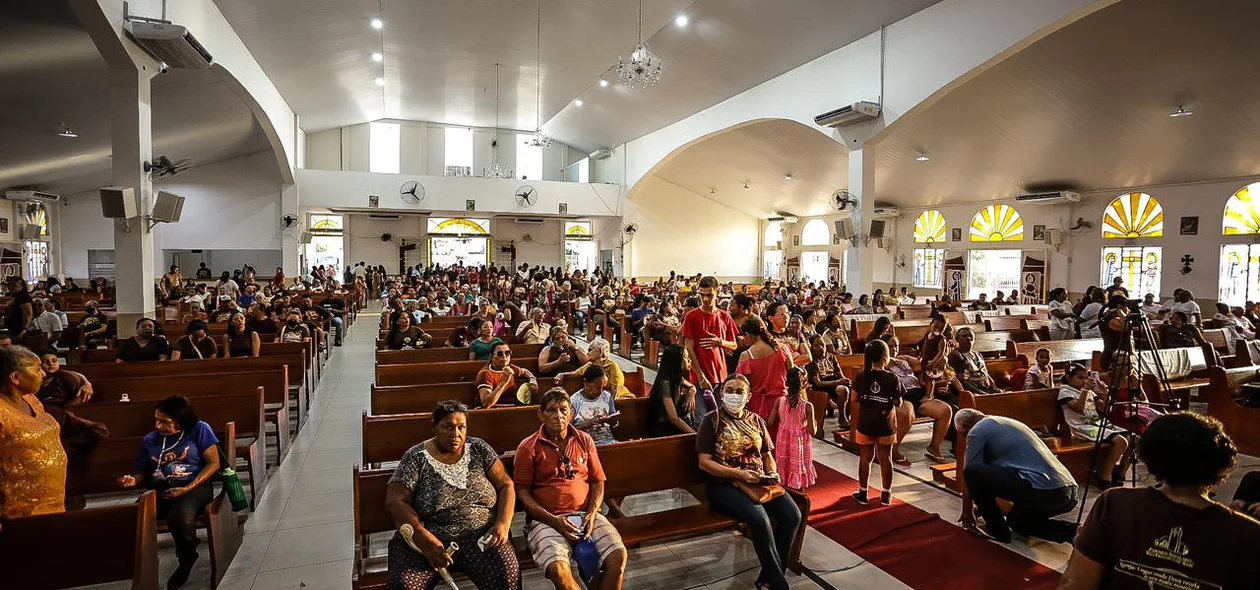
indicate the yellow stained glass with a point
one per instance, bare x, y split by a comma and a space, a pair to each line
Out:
577, 229
459, 226
929, 228
997, 223
1242, 212
1133, 215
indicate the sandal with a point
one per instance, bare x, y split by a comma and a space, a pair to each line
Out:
902, 461
935, 457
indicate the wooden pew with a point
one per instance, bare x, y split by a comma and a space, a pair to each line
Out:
443, 372
1063, 351
432, 355
405, 399
1227, 350
1000, 323
674, 465
386, 438
914, 312
1242, 423
123, 546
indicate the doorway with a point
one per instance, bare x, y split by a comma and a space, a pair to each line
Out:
992, 270
814, 267
459, 250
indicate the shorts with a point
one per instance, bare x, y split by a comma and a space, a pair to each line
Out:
548, 546
863, 439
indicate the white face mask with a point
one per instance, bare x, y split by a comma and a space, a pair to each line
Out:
734, 402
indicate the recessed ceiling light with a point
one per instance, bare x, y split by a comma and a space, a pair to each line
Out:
923, 157
603, 83
67, 132
681, 20
578, 102
377, 57
787, 177
377, 23
380, 81
1181, 111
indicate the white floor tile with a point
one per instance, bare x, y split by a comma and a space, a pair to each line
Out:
309, 546
306, 511
324, 576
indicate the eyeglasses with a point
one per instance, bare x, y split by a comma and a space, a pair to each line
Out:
503, 353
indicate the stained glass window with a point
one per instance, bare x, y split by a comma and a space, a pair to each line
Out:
1139, 266
997, 223
325, 224
1242, 212
929, 228
1133, 215
927, 267
1240, 273
36, 214
458, 225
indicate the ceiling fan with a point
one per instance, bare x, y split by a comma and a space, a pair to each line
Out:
526, 196
412, 193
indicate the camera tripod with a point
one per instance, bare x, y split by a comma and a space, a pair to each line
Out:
1121, 370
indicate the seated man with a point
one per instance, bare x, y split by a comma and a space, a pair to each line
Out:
316, 314
44, 320
1005, 459
968, 365
501, 378
293, 330
981, 304
560, 483
146, 345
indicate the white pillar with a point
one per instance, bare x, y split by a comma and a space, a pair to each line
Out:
290, 239
131, 137
859, 260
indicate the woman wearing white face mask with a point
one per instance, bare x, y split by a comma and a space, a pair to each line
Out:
737, 452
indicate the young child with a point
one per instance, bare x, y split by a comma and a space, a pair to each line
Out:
1082, 398
1040, 375
792, 418
878, 394
592, 406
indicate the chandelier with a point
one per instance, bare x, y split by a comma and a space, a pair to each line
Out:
643, 69
538, 140
496, 171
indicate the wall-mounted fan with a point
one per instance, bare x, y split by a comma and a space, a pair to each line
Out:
628, 232
412, 193
163, 167
526, 196
842, 200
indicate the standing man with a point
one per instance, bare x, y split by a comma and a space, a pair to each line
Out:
560, 482
708, 333
1117, 288
1005, 459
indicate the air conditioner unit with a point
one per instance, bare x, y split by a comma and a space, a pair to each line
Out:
529, 220
31, 196
785, 219
853, 113
1051, 198
170, 44
601, 154
885, 212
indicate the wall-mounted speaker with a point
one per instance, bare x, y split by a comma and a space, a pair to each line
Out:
877, 228
306, 237
167, 207
844, 229
118, 202
1054, 237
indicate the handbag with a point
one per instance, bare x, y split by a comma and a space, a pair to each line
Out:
760, 493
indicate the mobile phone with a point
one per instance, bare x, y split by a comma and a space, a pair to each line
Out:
768, 478
612, 415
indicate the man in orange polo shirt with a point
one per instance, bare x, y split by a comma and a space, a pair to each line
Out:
560, 482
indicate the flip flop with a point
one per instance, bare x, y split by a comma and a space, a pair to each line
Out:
902, 461
934, 457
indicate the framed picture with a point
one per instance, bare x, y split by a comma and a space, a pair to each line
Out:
1039, 232
956, 234
4, 226
374, 201
470, 205
796, 240
1189, 226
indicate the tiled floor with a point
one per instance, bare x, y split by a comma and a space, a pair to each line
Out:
301, 536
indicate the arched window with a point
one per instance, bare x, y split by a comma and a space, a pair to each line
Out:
1242, 211
997, 223
815, 233
929, 228
1133, 215
774, 235
772, 250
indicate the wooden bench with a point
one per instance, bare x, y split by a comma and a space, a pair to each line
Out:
1242, 423
914, 312
1062, 352
674, 465
49, 551
434, 355
441, 372
999, 323
386, 438
859, 329
1219, 340
403, 399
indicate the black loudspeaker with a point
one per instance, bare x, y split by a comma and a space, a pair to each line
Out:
844, 229
118, 203
877, 229
167, 207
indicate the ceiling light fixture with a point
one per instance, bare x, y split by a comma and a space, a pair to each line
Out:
643, 68
1181, 111
497, 170
681, 20
67, 132
923, 157
377, 23
603, 83
380, 81
378, 58
787, 177
538, 140
578, 102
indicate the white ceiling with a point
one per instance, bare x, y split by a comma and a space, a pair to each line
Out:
761, 154
1087, 107
440, 56
54, 75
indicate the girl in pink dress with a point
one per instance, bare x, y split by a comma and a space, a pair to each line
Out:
793, 416
765, 364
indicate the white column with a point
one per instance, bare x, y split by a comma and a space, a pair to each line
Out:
131, 137
290, 239
859, 260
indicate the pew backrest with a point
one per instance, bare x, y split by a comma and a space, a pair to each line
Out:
441, 372
1062, 351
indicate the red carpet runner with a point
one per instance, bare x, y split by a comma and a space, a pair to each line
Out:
915, 546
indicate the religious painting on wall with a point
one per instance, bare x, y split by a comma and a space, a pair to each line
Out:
956, 234
1190, 226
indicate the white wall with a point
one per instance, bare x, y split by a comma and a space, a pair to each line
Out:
682, 231
544, 248
263, 261
323, 150
364, 238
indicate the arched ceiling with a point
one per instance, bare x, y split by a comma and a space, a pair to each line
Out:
1087, 107
760, 154
53, 75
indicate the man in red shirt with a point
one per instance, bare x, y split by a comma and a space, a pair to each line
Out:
560, 482
709, 334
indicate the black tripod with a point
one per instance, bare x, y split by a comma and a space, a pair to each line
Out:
1121, 370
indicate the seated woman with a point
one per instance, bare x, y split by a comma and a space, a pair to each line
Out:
459, 338
968, 365
195, 312
1225, 318
405, 336
1178, 332
883, 325
560, 355
451, 488
735, 448
178, 459
917, 400
597, 355
593, 407
794, 337
836, 335
672, 406
195, 344
146, 345
480, 347
863, 305
1083, 397
240, 340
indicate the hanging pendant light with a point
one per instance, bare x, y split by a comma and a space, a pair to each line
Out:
496, 171
643, 68
539, 140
